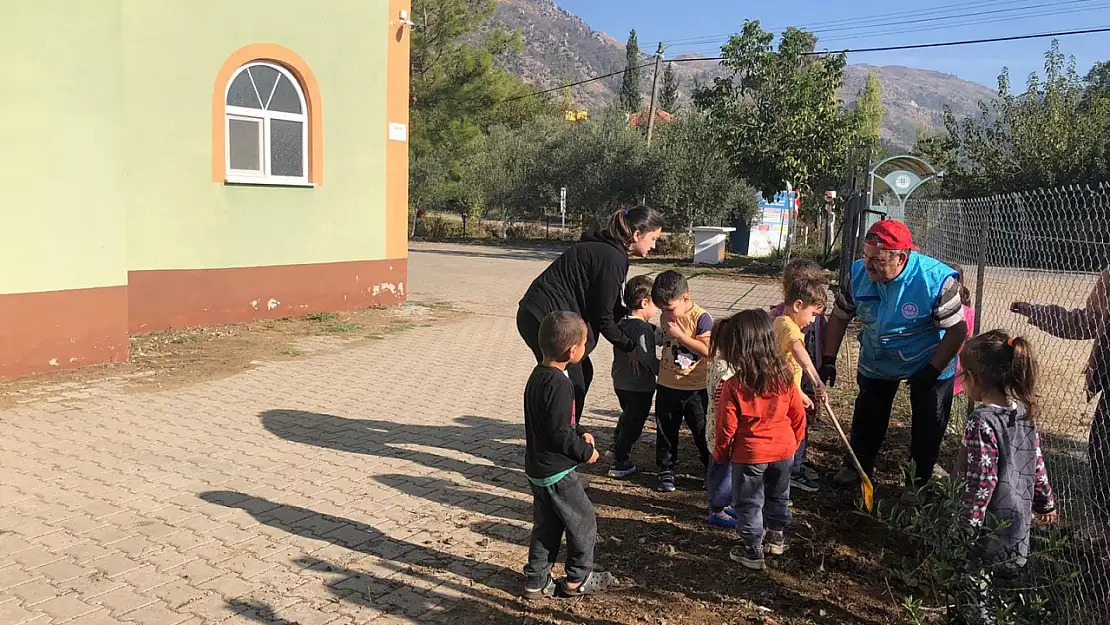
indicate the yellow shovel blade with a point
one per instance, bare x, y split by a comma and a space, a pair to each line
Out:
868, 493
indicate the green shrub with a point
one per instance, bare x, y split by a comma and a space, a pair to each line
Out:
438, 228
946, 575
677, 244
524, 230
494, 230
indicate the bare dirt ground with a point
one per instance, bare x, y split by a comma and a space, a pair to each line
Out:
179, 358
673, 568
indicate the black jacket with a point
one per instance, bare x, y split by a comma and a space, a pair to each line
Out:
553, 442
587, 279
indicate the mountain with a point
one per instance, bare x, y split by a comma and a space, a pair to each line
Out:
560, 48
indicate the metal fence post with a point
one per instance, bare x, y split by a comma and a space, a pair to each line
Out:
981, 264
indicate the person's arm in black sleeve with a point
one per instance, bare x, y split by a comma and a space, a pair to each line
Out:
559, 426
601, 302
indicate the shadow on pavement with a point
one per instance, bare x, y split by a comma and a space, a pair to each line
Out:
546, 254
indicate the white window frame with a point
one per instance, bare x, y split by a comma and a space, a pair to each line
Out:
263, 177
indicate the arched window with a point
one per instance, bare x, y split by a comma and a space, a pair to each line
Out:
266, 126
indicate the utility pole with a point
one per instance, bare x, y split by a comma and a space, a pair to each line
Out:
789, 211
654, 91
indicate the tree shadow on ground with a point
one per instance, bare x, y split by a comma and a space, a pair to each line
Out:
482, 437
403, 578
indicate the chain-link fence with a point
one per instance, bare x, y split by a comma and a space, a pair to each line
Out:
1031, 263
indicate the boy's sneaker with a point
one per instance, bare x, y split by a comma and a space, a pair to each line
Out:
846, 476
666, 482
596, 582
750, 556
808, 471
730, 511
721, 519
622, 469
776, 542
532, 594
803, 482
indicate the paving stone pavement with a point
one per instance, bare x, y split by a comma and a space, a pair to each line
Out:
367, 485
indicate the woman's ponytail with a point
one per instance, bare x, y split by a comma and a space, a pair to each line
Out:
625, 223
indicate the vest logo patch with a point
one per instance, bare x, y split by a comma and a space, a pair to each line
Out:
909, 310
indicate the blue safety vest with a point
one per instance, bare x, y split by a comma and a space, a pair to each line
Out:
899, 334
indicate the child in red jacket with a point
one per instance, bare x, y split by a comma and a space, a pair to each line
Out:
761, 420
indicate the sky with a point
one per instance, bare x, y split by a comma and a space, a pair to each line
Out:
702, 25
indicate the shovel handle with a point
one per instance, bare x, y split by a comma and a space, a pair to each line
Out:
844, 439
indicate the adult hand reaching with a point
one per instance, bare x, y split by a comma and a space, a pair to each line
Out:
634, 364
827, 372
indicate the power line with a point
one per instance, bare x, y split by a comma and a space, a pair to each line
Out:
959, 20
863, 20
994, 20
580, 82
915, 46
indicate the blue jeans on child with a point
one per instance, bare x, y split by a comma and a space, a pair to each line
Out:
718, 485
761, 498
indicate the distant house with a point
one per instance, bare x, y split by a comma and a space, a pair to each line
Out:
640, 119
193, 162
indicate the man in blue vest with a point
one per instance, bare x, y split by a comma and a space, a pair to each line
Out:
913, 326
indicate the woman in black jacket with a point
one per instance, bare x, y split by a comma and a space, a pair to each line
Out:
588, 279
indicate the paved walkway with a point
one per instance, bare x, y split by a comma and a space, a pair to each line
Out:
358, 486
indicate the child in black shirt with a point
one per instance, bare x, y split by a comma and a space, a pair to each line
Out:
555, 445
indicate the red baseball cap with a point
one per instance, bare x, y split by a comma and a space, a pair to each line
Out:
889, 234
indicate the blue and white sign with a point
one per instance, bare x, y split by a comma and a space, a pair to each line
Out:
771, 226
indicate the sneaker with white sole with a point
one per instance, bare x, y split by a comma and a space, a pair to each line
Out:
776, 542
622, 469
804, 483
811, 473
666, 482
750, 556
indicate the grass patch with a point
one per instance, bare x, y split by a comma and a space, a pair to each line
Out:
339, 327
322, 316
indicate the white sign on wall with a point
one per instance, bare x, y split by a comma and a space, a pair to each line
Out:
398, 132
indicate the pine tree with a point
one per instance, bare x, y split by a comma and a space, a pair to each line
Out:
631, 98
668, 96
869, 105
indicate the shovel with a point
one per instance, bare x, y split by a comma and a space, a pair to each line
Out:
866, 488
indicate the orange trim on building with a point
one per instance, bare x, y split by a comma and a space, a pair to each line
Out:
397, 152
181, 298
58, 330
297, 66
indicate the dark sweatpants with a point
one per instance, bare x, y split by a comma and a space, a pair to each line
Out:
561, 507
761, 498
635, 410
930, 409
672, 406
581, 374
